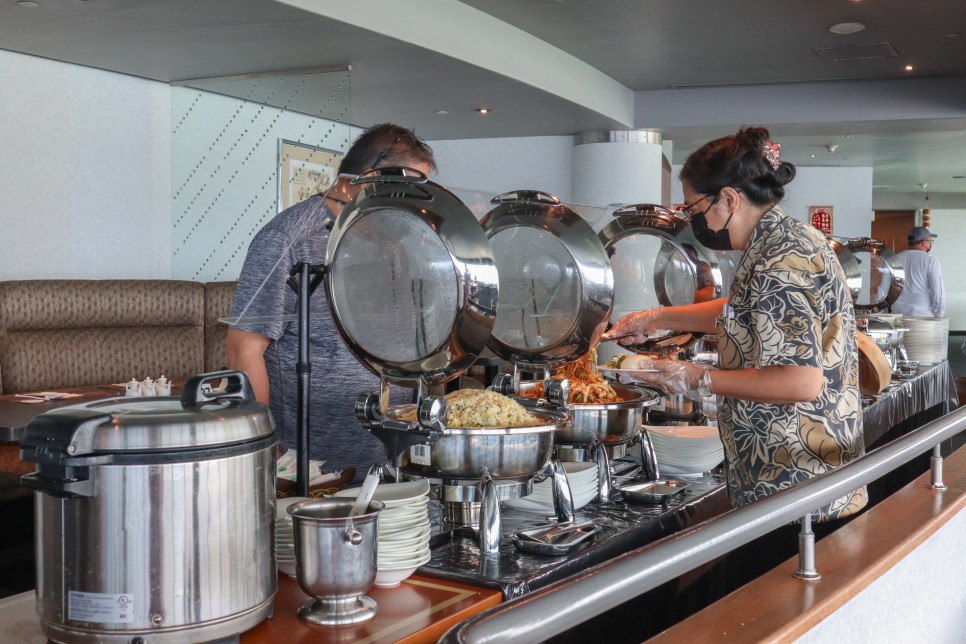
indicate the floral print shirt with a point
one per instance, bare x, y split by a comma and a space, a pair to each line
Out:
789, 305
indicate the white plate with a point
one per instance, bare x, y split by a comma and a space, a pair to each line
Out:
287, 567
402, 536
394, 495
390, 527
389, 577
670, 470
399, 514
403, 557
281, 506
684, 431
604, 369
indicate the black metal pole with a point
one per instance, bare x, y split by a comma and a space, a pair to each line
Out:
304, 371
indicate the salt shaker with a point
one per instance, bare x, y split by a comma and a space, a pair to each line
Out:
147, 388
132, 388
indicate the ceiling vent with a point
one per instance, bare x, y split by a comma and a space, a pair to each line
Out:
857, 52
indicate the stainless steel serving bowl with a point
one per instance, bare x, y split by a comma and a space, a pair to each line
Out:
610, 423
506, 452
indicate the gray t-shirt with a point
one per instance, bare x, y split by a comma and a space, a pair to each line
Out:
300, 234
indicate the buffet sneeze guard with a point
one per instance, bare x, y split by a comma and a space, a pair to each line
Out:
413, 288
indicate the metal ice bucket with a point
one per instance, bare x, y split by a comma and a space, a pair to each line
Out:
335, 559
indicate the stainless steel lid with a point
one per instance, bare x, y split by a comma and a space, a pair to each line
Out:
411, 279
200, 419
882, 275
658, 262
850, 267
556, 283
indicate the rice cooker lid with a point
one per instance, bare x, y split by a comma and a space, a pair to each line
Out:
657, 261
198, 420
556, 283
410, 279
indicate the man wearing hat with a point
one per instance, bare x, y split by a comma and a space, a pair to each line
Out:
923, 294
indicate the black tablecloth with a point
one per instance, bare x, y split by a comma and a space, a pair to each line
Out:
932, 390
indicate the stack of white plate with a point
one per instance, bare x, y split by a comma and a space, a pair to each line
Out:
583, 487
285, 535
686, 449
404, 528
926, 339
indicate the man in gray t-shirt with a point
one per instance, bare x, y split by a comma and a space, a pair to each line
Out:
268, 351
923, 293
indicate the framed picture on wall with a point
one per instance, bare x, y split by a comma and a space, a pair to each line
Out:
821, 217
303, 171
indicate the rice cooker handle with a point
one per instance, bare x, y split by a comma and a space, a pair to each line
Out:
198, 389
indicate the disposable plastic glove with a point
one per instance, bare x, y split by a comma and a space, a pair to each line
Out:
672, 376
634, 328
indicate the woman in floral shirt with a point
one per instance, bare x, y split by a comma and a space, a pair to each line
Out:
787, 350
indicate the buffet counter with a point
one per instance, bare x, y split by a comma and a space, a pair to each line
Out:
932, 391
622, 526
418, 610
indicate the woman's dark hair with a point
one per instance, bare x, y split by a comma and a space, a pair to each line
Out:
386, 145
738, 161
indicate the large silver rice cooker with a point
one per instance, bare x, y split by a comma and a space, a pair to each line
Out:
155, 516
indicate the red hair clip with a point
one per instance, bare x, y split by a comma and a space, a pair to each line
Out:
771, 154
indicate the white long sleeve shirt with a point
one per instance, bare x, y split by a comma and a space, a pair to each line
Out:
923, 294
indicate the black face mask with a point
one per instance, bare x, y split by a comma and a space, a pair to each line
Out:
713, 239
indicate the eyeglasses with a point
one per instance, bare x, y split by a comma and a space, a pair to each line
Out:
686, 208
385, 153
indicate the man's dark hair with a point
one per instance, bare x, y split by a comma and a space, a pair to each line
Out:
386, 145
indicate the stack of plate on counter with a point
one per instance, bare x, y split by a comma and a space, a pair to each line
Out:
583, 487
285, 535
403, 540
926, 339
686, 449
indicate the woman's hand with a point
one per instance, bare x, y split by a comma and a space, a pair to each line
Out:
634, 328
673, 376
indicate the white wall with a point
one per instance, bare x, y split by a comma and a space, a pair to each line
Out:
85, 157
849, 190
500, 165
920, 599
950, 225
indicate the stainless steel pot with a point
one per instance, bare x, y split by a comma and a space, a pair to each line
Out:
154, 516
506, 452
610, 423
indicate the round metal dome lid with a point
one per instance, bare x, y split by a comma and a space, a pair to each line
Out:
658, 262
556, 282
881, 274
411, 279
850, 267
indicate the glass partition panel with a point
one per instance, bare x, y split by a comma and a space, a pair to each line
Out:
244, 148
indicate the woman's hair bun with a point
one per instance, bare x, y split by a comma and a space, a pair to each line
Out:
785, 172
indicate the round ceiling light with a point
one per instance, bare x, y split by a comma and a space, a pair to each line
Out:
845, 28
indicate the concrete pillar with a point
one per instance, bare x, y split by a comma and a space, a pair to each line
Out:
619, 167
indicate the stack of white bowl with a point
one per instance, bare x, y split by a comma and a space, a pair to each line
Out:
403, 538
686, 449
285, 535
926, 339
583, 488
